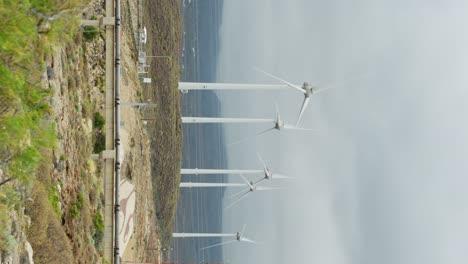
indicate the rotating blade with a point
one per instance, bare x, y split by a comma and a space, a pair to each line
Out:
247, 138
280, 176
245, 239
281, 80
303, 108
248, 183
265, 168
219, 244
243, 230
263, 188
291, 127
237, 193
242, 197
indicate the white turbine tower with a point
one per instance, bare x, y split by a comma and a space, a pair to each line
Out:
252, 188
266, 172
305, 89
184, 87
278, 122
213, 120
209, 185
239, 236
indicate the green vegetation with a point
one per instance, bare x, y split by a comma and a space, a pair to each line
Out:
55, 200
75, 209
79, 201
99, 134
98, 229
74, 212
99, 121
29, 29
90, 33
100, 142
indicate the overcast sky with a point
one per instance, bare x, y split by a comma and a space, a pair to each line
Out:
385, 178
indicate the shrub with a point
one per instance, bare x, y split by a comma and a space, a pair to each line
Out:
54, 200
100, 143
98, 229
74, 212
79, 201
90, 32
99, 121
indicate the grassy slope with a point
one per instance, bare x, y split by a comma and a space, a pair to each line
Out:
28, 135
24, 115
164, 31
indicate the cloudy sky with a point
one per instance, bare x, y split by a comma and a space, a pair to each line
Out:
384, 178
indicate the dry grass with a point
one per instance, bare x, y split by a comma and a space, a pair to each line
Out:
164, 33
46, 235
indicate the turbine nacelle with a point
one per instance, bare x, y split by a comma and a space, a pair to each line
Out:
306, 89
238, 237
309, 89
268, 173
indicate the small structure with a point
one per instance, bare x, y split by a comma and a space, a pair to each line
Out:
143, 35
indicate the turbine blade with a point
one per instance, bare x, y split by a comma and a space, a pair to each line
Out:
281, 80
277, 109
265, 131
248, 183
259, 181
262, 188
262, 161
242, 197
304, 106
321, 90
237, 193
219, 244
245, 239
280, 176
243, 230
247, 138
291, 127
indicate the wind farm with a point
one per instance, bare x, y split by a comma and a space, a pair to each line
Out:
250, 186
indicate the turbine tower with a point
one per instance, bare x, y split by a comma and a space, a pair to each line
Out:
184, 87
209, 185
268, 174
305, 88
278, 122
213, 120
239, 236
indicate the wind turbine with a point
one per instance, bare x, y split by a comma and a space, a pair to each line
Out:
252, 188
209, 185
279, 124
239, 236
212, 120
268, 174
184, 87
305, 89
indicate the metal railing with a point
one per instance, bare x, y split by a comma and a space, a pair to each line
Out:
117, 132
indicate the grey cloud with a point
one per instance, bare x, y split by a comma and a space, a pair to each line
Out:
385, 180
